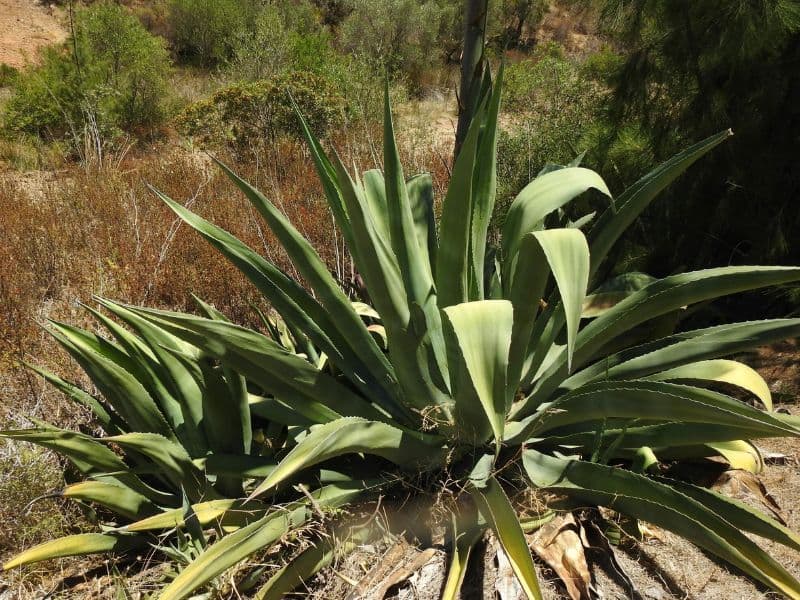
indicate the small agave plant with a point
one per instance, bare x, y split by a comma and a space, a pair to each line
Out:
491, 367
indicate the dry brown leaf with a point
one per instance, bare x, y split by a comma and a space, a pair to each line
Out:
745, 486
559, 544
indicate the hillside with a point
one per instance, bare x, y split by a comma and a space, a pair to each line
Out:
26, 26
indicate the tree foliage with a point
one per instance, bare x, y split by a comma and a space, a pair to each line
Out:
111, 74
691, 68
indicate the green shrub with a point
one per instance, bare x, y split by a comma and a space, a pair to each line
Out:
247, 114
553, 107
206, 31
398, 36
111, 76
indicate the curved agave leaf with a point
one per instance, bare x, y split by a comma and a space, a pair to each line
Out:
539, 198
120, 499
738, 514
308, 563
176, 388
647, 400
352, 435
740, 454
75, 545
630, 204
725, 371
294, 303
172, 459
612, 292
564, 253
416, 272
495, 507
479, 334
484, 186
686, 347
663, 505
412, 359
90, 457
659, 298
226, 512
453, 253
240, 544
462, 549
110, 422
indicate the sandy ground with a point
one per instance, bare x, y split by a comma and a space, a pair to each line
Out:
26, 26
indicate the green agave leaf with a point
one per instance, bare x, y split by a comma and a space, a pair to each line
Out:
327, 176
75, 545
351, 435
663, 505
109, 421
495, 507
630, 204
172, 459
668, 438
420, 199
227, 512
614, 291
308, 563
725, 371
90, 457
484, 187
539, 198
118, 385
149, 371
412, 261
686, 347
658, 298
414, 269
363, 360
236, 466
567, 254
479, 334
650, 401
120, 499
294, 303
85, 453
314, 394
378, 265
237, 546
738, 514
177, 389
455, 225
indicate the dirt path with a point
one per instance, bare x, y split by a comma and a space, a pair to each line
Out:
26, 26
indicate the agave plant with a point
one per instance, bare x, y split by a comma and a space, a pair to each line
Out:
466, 360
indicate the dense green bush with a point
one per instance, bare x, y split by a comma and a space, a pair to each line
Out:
553, 107
401, 36
247, 114
206, 31
110, 76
